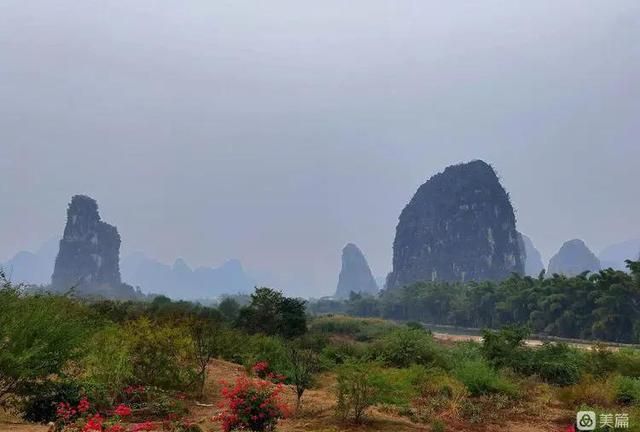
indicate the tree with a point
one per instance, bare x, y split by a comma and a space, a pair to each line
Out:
229, 308
271, 313
304, 364
205, 347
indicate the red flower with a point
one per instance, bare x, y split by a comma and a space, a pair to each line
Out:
93, 424
251, 404
83, 405
122, 410
116, 428
146, 426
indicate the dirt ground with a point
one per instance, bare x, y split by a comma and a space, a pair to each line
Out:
317, 413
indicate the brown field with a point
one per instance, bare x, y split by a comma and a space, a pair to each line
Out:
317, 412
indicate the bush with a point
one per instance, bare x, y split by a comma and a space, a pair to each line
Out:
627, 362
481, 379
404, 347
556, 363
439, 395
402, 385
269, 349
39, 334
588, 391
39, 404
253, 405
361, 329
627, 390
502, 348
360, 385
304, 363
341, 352
161, 355
107, 362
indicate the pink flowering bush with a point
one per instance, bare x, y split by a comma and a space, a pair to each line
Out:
262, 370
251, 404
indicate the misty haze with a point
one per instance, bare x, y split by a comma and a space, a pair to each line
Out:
433, 201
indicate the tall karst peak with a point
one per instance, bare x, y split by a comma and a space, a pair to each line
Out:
355, 274
573, 258
88, 258
459, 226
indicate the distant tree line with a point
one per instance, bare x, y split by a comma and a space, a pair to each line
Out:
600, 306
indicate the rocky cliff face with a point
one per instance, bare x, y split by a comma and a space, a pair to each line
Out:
532, 259
355, 274
573, 258
88, 258
459, 226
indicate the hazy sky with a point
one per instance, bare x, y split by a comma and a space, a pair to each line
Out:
275, 132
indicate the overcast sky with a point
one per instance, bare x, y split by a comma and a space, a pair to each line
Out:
275, 132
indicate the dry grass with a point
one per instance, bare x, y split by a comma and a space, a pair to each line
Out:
317, 412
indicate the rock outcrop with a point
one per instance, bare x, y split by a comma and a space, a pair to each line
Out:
459, 226
532, 259
355, 274
88, 258
573, 258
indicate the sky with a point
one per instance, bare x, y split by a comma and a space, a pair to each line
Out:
276, 132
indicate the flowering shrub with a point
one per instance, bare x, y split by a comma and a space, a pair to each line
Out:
122, 410
145, 426
94, 423
80, 419
251, 404
262, 370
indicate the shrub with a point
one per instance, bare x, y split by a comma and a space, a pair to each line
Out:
463, 351
404, 347
588, 391
480, 379
361, 329
341, 352
107, 361
39, 404
161, 355
627, 390
439, 395
556, 363
627, 362
269, 349
39, 334
401, 385
304, 363
502, 348
600, 361
253, 405
360, 385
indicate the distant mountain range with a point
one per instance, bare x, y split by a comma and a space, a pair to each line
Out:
614, 256
33, 267
177, 281
181, 281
